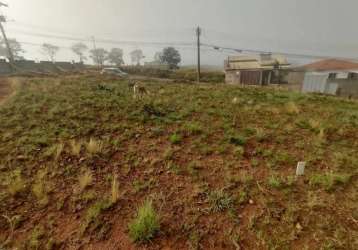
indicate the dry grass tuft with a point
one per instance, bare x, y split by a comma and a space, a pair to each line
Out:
292, 108
94, 146
85, 180
76, 147
40, 188
59, 150
17, 183
115, 190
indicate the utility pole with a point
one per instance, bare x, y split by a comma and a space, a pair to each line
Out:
95, 50
3, 20
198, 33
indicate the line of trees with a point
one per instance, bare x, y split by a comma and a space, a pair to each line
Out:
168, 56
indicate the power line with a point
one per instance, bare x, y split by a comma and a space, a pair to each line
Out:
103, 40
295, 55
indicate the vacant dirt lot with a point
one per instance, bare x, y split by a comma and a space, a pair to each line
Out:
84, 165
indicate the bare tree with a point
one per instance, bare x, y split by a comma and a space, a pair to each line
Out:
158, 57
115, 56
16, 49
50, 50
99, 56
79, 49
136, 56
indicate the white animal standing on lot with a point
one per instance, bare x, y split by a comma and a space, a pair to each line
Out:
139, 90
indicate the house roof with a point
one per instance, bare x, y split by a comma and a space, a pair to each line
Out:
331, 65
256, 62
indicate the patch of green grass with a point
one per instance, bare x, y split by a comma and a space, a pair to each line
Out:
329, 181
219, 200
275, 182
146, 223
193, 128
175, 138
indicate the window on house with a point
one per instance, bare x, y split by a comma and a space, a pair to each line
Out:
353, 76
332, 75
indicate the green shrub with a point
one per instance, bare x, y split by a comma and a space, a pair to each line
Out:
146, 224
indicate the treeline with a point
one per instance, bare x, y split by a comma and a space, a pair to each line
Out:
168, 56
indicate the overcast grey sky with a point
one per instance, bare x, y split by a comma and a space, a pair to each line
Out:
321, 27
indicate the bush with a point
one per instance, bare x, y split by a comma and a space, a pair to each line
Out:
146, 224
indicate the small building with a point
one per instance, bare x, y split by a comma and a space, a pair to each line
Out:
331, 76
262, 69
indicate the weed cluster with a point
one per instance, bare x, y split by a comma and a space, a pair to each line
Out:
146, 224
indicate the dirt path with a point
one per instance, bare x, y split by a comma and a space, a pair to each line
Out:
5, 89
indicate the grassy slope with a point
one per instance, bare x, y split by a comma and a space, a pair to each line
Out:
219, 172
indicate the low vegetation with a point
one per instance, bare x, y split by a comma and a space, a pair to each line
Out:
183, 75
78, 154
146, 223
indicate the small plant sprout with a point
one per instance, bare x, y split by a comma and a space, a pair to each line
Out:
146, 224
94, 147
75, 147
85, 180
115, 190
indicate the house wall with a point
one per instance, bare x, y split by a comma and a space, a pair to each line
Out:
346, 87
252, 77
232, 77
295, 77
315, 82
